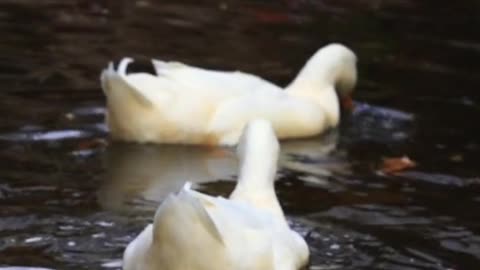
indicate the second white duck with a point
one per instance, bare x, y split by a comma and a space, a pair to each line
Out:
189, 105
248, 231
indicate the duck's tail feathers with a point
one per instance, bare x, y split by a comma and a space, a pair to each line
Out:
123, 65
114, 81
162, 68
184, 213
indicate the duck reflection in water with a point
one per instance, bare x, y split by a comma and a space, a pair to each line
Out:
137, 174
140, 176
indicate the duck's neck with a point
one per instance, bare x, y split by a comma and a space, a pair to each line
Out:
316, 81
257, 172
256, 180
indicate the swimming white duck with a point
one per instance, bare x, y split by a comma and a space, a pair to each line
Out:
195, 231
189, 105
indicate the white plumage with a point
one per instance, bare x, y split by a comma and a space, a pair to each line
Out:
248, 231
190, 105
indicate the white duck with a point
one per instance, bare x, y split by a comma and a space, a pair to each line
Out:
190, 105
195, 231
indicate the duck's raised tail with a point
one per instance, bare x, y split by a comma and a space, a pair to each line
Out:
183, 219
114, 83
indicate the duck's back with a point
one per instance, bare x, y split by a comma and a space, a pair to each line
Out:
203, 233
255, 233
260, 235
190, 105
222, 83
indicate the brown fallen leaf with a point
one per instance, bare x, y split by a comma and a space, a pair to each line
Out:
396, 164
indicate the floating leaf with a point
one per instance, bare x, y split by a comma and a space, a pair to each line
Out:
396, 164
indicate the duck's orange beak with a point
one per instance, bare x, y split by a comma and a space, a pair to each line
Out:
347, 103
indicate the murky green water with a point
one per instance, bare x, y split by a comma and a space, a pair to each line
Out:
67, 201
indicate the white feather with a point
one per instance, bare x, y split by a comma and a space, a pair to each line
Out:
195, 231
191, 105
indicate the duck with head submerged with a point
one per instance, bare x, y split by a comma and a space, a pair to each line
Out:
189, 105
195, 231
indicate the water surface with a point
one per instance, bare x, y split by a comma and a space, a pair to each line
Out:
69, 201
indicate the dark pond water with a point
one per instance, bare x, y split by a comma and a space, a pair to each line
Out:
67, 201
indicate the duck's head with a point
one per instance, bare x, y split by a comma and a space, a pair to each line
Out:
334, 65
341, 65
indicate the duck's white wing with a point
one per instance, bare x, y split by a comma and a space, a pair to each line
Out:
256, 234
226, 211
196, 231
226, 82
289, 117
183, 236
245, 231
183, 209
